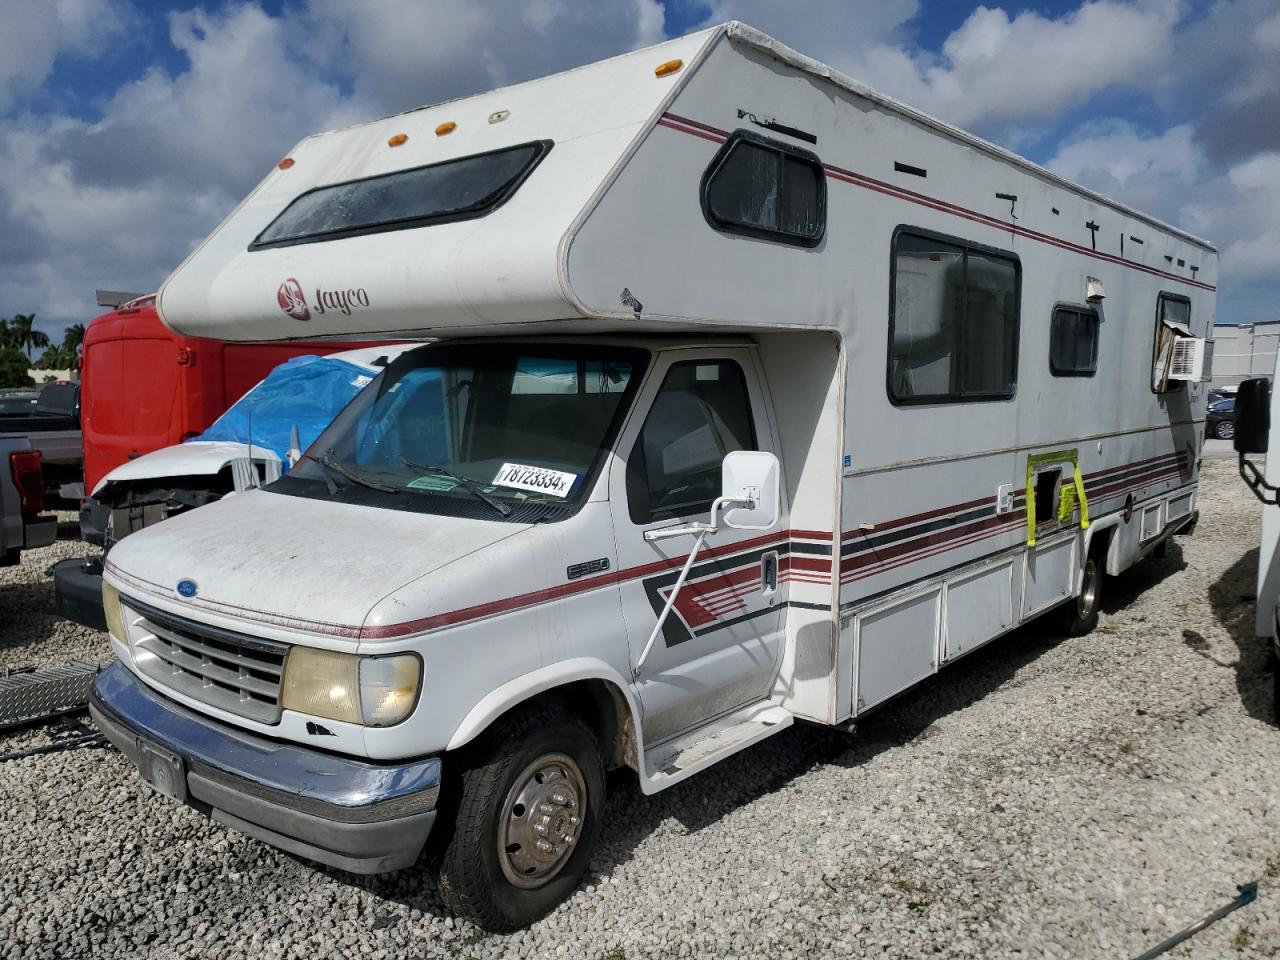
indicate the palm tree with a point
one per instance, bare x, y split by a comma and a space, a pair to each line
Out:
72, 337
6, 336
24, 332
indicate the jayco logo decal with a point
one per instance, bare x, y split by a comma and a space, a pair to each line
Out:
294, 302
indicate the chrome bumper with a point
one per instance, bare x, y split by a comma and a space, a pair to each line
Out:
356, 815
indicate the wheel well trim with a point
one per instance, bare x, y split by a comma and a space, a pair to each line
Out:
529, 685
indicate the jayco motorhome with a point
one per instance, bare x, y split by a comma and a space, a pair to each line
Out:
758, 396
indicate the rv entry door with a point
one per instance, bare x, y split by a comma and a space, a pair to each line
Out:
720, 645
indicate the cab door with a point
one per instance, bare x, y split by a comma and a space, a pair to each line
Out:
720, 647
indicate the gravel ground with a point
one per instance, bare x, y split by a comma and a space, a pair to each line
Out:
1044, 797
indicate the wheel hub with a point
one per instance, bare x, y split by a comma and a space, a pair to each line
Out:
1088, 590
541, 820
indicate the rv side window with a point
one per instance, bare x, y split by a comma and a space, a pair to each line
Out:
764, 188
953, 322
701, 412
1073, 342
1173, 320
458, 189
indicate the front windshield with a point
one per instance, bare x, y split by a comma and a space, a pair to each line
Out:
498, 431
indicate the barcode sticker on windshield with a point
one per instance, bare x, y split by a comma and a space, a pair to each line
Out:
536, 479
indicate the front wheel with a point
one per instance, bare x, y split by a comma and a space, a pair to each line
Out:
528, 815
1225, 430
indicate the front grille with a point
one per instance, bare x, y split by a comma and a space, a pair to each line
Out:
228, 670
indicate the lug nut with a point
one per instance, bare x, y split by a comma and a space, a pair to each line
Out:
546, 846
560, 798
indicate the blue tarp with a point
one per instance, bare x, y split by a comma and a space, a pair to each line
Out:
308, 391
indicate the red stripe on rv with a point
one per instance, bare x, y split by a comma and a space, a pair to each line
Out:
716, 135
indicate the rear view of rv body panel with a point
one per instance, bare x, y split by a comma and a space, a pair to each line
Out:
495, 262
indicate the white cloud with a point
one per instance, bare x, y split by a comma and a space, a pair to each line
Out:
836, 32
994, 71
34, 33
403, 53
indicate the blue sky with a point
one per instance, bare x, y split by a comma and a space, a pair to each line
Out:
128, 128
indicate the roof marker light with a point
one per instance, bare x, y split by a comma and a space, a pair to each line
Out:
499, 115
665, 69
286, 163
398, 140
447, 127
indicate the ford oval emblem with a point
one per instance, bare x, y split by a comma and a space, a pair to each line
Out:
187, 588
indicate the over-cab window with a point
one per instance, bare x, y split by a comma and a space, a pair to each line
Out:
767, 189
953, 321
458, 189
701, 412
1073, 341
1173, 321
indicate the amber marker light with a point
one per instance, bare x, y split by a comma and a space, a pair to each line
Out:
398, 140
668, 68
447, 127
286, 163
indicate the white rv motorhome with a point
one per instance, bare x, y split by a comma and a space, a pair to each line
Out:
758, 396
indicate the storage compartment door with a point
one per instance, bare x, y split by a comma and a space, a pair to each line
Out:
980, 606
1050, 574
896, 645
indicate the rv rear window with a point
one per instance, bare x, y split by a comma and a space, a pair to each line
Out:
1073, 342
768, 189
458, 189
953, 321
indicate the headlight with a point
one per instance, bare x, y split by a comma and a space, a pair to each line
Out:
115, 612
375, 691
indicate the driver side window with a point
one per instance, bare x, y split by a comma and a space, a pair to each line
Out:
701, 412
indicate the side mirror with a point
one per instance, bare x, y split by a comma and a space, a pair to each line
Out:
1253, 416
754, 476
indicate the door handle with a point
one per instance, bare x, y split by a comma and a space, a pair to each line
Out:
769, 573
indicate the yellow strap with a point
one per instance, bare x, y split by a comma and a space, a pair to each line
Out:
1064, 504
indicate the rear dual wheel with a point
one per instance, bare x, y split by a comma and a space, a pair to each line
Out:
1080, 615
528, 814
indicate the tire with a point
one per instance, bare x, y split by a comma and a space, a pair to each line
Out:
1225, 429
534, 769
1080, 615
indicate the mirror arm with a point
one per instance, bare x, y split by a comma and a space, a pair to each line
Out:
671, 599
1252, 477
702, 530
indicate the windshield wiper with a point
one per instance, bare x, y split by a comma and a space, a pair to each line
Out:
331, 462
465, 482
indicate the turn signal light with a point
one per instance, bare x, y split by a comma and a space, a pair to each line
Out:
668, 68
398, 139
286, 163
447, 127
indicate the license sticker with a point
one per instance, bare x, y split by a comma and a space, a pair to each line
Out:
535, 479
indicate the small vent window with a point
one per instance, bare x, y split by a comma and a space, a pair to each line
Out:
1173, 323
460, 189
1073, 342
767, 189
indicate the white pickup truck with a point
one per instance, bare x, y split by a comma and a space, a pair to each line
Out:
21, 501
1257, 416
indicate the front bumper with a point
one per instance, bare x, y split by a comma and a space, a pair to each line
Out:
39, 532
352, 814
77, 591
